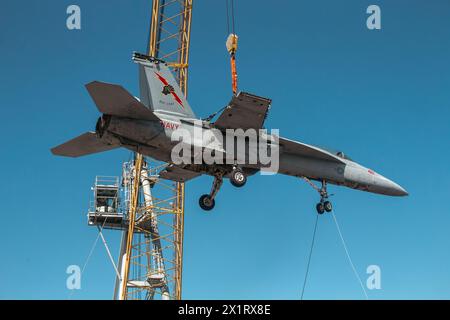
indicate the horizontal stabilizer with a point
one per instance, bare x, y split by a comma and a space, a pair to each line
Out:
114, 100
85, 144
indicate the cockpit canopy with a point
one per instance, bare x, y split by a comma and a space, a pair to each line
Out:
340, 154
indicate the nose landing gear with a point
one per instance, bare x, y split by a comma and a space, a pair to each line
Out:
324, 205
328, 206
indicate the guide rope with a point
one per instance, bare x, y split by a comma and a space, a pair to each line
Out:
346, 252
109, 252
309, 258
91, 251
348, 256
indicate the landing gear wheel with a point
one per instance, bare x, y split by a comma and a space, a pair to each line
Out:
206, 203
238, 178
328, 206
320, 208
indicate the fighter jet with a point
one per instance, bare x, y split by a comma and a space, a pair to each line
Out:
147, 125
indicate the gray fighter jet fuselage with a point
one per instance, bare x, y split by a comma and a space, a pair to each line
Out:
153, 139
147, 126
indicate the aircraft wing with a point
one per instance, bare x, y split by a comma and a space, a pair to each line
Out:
175, 173
305, 150
244, 111
85, 144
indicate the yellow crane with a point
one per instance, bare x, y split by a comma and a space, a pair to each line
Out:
153, 257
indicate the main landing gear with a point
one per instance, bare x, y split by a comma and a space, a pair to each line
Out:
238, 178
324, 204
206, 201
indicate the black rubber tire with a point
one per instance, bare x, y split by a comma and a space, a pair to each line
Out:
328, 206
320, 208
238, 178
206, 203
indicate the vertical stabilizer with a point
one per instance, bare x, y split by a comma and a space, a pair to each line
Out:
159, 89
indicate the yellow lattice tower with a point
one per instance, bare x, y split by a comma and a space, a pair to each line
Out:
153, 260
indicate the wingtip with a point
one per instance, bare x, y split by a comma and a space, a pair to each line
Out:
91, 84
56, 152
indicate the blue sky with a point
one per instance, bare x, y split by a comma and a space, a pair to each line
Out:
381, 96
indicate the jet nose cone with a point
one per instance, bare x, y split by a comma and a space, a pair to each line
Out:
391, 188
397, 190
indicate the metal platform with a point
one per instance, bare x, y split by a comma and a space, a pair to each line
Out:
105, 210
107, 220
